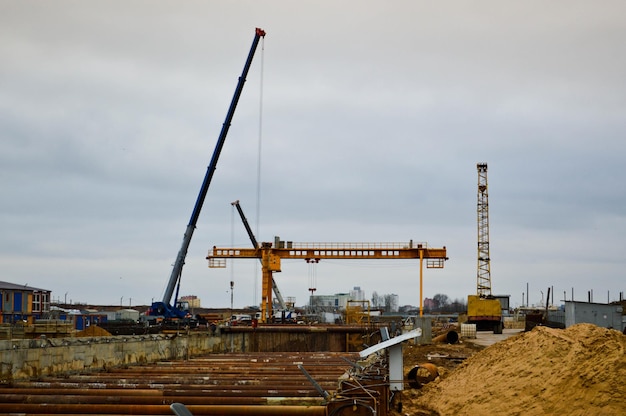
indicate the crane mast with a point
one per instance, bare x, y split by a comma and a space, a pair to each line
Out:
164, 308
484, 265
484, 309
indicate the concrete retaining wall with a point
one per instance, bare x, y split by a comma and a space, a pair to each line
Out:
30, 359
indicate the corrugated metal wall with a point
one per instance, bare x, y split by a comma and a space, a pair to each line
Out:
602, 315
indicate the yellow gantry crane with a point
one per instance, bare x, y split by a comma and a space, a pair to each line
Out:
271, 255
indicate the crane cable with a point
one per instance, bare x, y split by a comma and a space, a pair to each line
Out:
232, 261
312, 266
258, 173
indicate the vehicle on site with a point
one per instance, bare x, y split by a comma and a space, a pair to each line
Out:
164, 310
241, 319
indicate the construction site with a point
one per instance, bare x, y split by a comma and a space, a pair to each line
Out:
174, 361
318, 370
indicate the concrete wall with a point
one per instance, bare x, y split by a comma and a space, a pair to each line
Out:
300, 338
29, 359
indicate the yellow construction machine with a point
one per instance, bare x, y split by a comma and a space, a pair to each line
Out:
485, 312
483, 309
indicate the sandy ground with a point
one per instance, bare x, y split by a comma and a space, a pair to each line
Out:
576, 371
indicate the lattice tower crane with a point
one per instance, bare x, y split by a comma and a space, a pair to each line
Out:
484, 261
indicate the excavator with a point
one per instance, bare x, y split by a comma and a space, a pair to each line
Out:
164, 310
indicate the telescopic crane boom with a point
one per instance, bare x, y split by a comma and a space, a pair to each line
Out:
164, 308
255, 244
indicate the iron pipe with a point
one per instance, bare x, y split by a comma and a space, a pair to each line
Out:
82, 391
232, 399
235, 410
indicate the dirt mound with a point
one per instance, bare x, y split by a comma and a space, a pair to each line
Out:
577, 371
93, 331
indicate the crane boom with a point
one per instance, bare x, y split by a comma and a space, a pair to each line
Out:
164, 308
236, 204
255, 244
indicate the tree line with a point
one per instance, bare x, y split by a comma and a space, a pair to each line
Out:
440, 303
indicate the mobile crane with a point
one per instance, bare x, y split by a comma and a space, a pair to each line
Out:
164, 309
255, 244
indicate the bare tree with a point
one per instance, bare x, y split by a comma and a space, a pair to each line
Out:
458, 305
376, 300
441, 301
387, 300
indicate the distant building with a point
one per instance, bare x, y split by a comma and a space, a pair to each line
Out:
331, 302
194, 301
78, 319
394, 303
357, 293
429, 304
409, 309
339, 301
602, 315
126, 315
22, 303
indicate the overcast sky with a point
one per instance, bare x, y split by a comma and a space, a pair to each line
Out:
367, 117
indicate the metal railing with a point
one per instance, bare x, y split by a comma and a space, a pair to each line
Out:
355, 246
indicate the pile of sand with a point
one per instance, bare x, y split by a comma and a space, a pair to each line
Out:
577, 371
93, 331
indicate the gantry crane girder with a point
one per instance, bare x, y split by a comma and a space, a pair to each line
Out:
271, 255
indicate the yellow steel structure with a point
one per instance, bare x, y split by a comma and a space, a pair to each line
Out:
357, 313
271, 255
483, 309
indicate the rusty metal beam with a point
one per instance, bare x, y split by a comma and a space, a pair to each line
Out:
224, 384
98, 409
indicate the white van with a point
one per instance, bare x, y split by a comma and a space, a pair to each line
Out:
241, 319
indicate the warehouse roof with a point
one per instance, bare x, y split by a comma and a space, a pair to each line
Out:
13, 286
